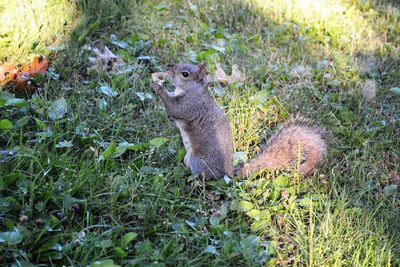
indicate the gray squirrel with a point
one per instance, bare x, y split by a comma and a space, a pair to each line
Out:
207, 135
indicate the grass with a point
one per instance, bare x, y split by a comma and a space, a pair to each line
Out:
98, 180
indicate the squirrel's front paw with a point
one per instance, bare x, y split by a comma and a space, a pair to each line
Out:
156, 88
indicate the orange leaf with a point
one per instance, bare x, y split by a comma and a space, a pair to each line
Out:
11, 73
39, 66
7, 71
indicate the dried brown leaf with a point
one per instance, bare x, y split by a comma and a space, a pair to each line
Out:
106, 60
368, 89
221, 76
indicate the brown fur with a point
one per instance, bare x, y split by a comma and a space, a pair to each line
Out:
297, 142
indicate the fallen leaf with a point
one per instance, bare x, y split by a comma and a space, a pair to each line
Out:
221, 76
368, 89
21, 76
38, 66
106, 60
58, 109
395, 178
300, 71
104, 54
7, 72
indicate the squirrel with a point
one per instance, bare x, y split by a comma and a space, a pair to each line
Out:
207, 135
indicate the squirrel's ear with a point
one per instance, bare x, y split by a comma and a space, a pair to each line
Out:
202, 66
202, 69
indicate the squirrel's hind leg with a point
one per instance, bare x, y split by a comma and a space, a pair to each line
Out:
199, 166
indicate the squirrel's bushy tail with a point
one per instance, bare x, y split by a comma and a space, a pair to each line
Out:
297, 143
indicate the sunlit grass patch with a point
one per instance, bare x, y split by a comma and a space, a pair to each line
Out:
330, 22
31, 27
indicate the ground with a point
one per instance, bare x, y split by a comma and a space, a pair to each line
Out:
91, 166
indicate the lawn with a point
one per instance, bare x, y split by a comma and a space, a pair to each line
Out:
91, 170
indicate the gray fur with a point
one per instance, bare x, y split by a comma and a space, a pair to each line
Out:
207, 128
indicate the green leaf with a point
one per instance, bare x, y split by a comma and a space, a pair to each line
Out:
390, 189
40, 123
23, 121
5, 124
104, 243
58, 109
64, 143
255, 214
227, 179
212, 249
291, 190
120, 253
249, 246
11, 238
167, 249
260, 97
219, 91
139, 147
107, 90
180, 154
305, 202
281, 181
122, 147
395, 90
258, 225
245, 206
214, 219
346, 115
105, 263
158, 141
7, 99
143, 96
110, 150
127, 239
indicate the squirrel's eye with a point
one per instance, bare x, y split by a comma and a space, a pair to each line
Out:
185, 74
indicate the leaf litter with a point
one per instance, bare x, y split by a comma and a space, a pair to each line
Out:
22, 76
221, 77
107, 61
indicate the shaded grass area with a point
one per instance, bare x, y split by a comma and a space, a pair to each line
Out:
62, 205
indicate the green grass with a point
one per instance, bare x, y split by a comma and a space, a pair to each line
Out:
72, 194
